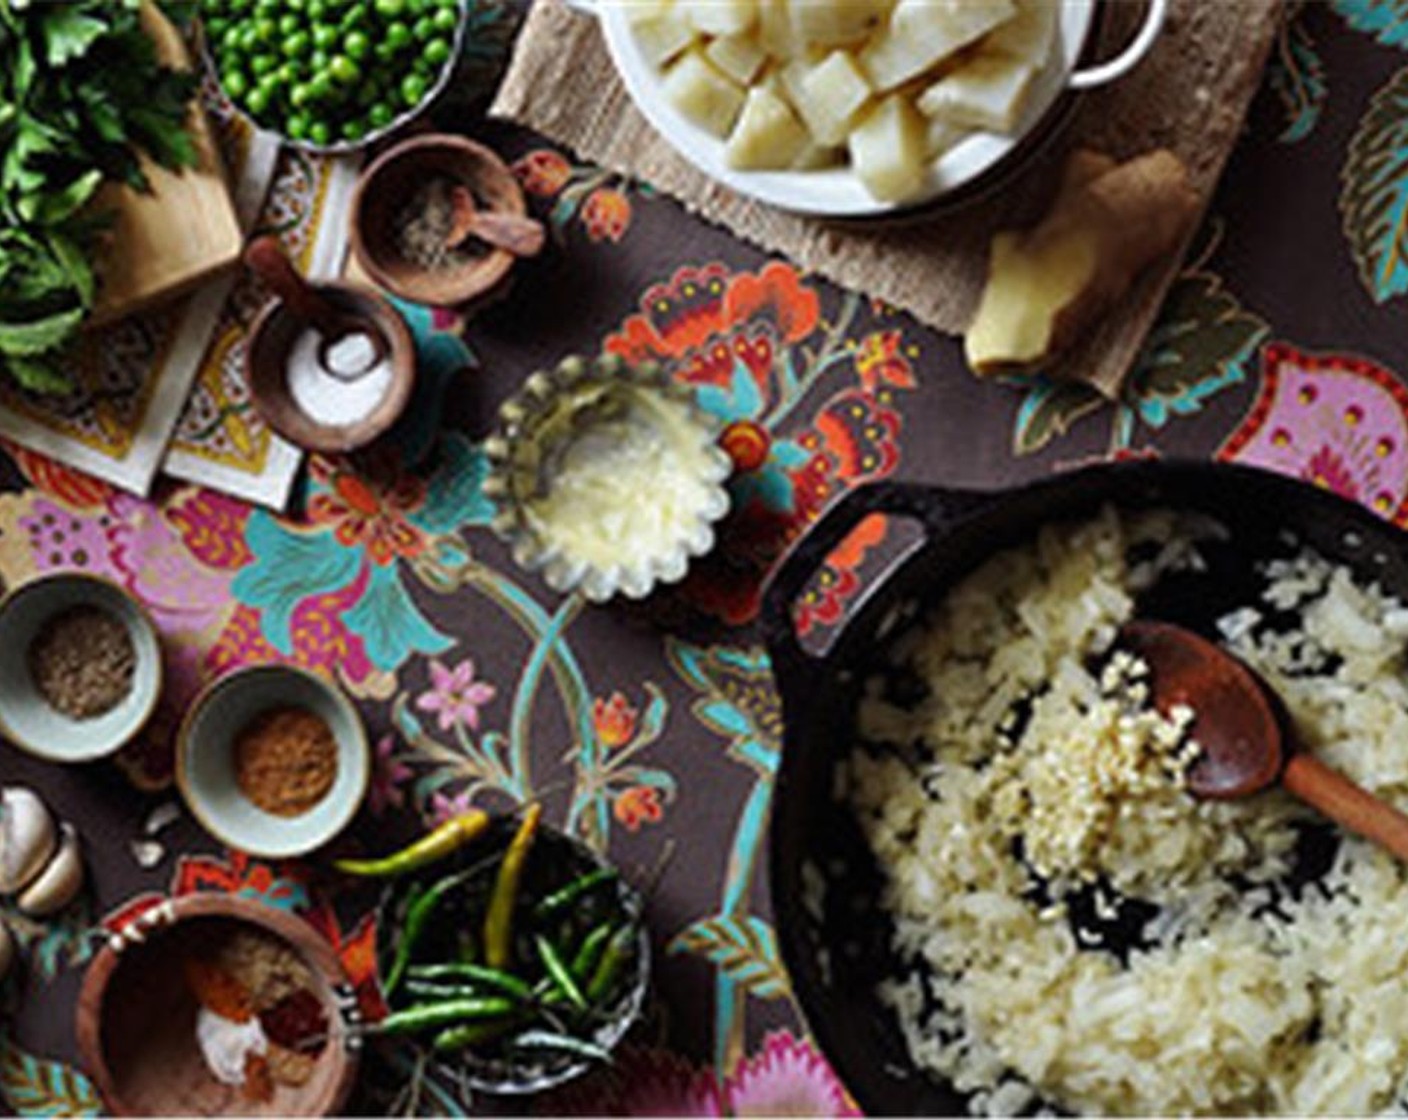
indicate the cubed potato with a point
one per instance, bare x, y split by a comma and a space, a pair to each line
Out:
830, 95
923, 33
768, 135
887, 150
941, 136
738, 56
1028, 35
775, 34
638, 10
663, 35
704, 94
721, 17
987, 92
832, 23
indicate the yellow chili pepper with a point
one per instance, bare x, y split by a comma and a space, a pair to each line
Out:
434, 845
498, 922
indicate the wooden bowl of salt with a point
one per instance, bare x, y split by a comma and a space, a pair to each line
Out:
217, 1005
304, 400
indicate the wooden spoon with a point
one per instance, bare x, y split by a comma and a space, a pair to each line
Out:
266, 257
1245, 733
523, 237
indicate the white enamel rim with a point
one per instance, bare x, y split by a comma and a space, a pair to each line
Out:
837, 192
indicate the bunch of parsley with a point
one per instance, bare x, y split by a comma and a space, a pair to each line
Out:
81, 95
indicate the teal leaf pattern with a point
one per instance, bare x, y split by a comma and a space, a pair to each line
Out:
1374, 199
743, 948
1386, 20
1050, 409
1198, 347
389, 623
1296, 75
287, 563
34, 1086
65, 941
455, 493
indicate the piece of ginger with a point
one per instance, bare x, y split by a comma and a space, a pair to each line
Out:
1046, 286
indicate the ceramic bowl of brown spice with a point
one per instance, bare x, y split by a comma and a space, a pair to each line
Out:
80, 667
273, 760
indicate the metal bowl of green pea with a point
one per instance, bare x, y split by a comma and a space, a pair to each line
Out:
332, 76
515, 964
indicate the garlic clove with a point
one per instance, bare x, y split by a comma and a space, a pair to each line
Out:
7, 950
59, 883
27, 838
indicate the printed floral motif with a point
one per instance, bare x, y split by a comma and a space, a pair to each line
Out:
363, 528
31, 1085
594, 197
446, 806
638, 805
786, 1078
754, 346
823, 603
455, 696
1296, 74
1337, 421
615, 720
388, 775
1374, 201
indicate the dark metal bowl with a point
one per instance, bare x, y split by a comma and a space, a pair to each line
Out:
1268, 515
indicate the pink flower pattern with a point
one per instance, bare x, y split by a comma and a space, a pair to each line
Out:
455, 695
388, 773
787, 1077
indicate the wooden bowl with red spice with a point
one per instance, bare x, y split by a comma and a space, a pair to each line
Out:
218, 1005
402, 213
273, 760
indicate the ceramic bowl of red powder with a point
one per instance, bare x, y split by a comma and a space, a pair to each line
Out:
273, 760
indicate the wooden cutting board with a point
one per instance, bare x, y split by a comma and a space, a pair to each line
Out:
184, 231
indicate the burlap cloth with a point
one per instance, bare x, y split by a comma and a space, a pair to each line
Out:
1190, 94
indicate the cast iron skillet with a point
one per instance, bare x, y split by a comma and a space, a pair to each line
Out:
961, 529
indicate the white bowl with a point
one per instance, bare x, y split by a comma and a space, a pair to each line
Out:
838, 192
26, 718
205, 760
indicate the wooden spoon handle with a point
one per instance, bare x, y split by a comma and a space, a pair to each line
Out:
1346, 803
523, 237
267, 258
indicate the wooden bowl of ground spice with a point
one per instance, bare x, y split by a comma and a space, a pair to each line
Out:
404, 229
217, 1005
80, 667
273, 760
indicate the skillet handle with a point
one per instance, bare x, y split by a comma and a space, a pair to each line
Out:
936, 508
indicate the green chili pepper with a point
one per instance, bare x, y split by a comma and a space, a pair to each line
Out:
552, 1041
608, 969
457, 1038
560, 974
498, 921
561, 899
434, 845
476, 973
418, 917
584, 963
443, 1013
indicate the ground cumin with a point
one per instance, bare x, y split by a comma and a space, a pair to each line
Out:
285, 760
83, 661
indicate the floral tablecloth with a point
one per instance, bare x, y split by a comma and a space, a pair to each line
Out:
654, 731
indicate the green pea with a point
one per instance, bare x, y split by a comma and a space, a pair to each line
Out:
235, 83
384, 51
353, 130
297, 126
398, 35
320, 88
257, 101
297, 44
413, 89
288, 73
320, 133
249, 38
318, 61
317, 11
325, 36
437, 52
215, 28
423, 29
262, 64
390, 8
344, 70
447, 19
289, 22
356, 44
266, 29
381, 114
233, 38
300, 95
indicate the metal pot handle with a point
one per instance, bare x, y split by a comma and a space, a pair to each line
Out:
937, 509
1104, 72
